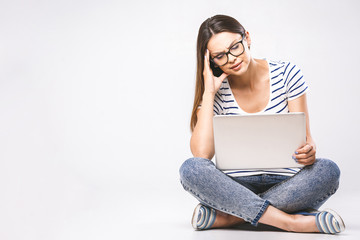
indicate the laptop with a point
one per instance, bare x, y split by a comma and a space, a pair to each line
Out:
258, 141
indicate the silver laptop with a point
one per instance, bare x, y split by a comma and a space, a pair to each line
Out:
258, 141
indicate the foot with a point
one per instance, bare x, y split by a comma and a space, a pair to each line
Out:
224, 220
205, 218
288, 222
301, 223
327, 221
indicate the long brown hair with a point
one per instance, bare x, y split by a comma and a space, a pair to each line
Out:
210, 27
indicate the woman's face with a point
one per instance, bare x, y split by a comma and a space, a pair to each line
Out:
219, 44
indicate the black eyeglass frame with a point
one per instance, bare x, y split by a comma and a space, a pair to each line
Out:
229, 52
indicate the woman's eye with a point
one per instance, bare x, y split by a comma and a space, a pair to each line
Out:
219, 56
235, 47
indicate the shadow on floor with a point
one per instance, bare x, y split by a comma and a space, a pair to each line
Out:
260, 227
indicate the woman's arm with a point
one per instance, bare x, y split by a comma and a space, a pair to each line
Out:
305, 154
202, 139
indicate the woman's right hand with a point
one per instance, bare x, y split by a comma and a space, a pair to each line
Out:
212, 83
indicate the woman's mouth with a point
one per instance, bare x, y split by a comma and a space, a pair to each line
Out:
236, 66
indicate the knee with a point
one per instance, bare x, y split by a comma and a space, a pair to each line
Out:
192, 167
329, 169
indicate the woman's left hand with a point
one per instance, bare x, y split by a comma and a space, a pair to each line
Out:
306, 154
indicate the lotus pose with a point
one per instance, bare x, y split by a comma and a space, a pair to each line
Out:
230, 81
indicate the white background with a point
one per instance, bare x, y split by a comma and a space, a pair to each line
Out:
95, 102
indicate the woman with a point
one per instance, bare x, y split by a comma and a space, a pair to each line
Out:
284, 198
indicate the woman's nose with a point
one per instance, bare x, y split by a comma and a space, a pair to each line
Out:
231, 58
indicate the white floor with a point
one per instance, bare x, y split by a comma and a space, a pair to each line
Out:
171, 220
157, 211
168, 227
163, 216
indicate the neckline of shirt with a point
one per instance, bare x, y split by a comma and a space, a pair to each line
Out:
236, 103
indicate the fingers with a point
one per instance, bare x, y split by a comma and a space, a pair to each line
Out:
300, 156
305, 155
207, 54
307, 161
206, 57
206, 61
305, 149
223, 76
212, 83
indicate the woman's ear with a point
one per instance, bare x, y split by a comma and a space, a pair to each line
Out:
248, 39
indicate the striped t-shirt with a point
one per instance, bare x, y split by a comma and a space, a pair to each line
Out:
286, 83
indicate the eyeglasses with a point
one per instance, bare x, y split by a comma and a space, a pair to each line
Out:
236, 50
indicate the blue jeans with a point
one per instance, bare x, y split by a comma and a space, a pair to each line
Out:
248, 197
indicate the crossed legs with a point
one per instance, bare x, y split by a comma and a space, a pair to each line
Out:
236, 204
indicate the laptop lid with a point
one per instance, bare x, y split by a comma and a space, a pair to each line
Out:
258, 141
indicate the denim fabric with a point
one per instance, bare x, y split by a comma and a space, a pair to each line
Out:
248, 197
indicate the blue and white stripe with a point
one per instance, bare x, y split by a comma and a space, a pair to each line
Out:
328, 221
286, 83
203, 217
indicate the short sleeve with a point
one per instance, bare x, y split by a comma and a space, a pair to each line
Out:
294, 82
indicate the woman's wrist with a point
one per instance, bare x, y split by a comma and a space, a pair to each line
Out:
309, 139
207, 100
208, 93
